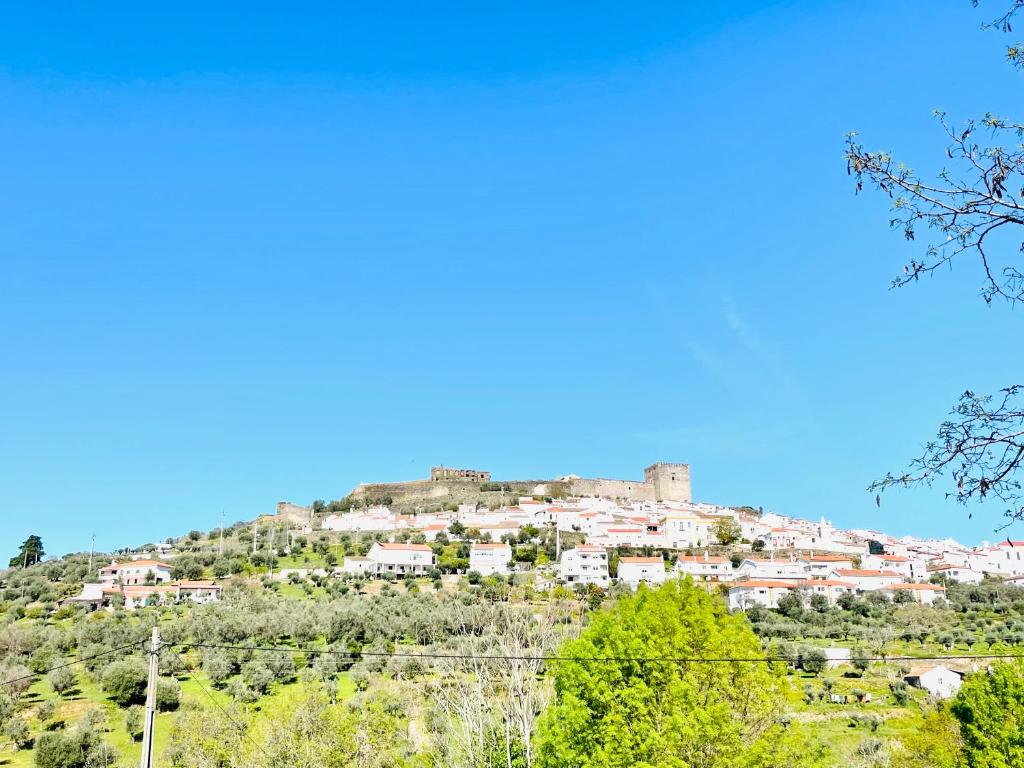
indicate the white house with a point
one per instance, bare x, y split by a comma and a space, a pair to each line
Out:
1006, 559
705, 567
135, 572
637, 570
820, 566
939, 680
771, 570
763, 592
959, 574
685, 529
584, 564
197, 591
866, 579
357, 566
906, 567
400, 559
922, 593
488, 559
832, 589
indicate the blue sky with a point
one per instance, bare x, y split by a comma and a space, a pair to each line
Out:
252, 253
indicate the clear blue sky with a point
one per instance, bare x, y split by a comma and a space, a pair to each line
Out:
251, 253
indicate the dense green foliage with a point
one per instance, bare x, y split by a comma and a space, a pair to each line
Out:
990, 710
676, 714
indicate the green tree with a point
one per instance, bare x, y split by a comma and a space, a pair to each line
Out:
630, 712
990, 710
936, 743
727, 531
125, 681
62, 680
30, 553
813, 660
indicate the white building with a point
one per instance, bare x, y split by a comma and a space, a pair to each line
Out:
865, 579
585, 564
641, 570
922, 593
706, 567
488, 559
771, 570
832, 589
820, 566
939, 680
958, 573
135, 572
400, 559
907, 567
763, 592
357, 566
1004, 559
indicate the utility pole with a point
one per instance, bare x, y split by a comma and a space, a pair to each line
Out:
92, 549
255, 534
146, 761
222, 530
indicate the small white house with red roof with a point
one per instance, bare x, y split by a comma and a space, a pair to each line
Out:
488, 559
831, 589
866, 579
706, 567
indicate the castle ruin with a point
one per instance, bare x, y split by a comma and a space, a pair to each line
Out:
662, 482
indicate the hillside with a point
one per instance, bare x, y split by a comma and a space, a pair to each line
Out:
403, 664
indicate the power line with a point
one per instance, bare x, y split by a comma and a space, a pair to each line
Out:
639, 659
241, 727
68, 664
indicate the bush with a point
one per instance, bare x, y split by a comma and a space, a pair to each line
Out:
133, 722
67, 749
62, 680
900, 692
168, 695
124, 682
813, 660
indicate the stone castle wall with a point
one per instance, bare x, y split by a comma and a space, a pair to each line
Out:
634, 490
661, 482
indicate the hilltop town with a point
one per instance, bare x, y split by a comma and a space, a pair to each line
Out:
396, 577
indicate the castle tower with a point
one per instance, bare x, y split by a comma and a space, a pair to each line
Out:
671, 481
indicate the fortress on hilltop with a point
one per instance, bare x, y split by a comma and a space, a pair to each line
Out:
662, 482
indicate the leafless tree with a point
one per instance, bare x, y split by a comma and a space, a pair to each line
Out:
971, 210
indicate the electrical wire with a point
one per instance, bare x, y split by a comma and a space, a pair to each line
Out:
79, 660
613, 659
240, 726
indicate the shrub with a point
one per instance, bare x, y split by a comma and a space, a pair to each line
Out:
168, 695
62, 680
813, 660
133, 722
124, 682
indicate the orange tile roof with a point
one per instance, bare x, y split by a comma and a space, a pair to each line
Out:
641, 560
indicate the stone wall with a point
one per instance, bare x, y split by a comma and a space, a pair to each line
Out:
661, 482
635, 490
